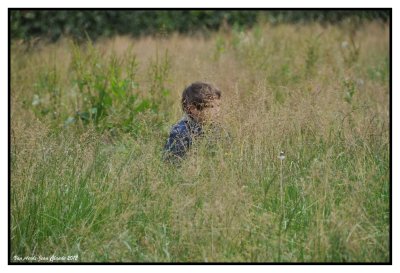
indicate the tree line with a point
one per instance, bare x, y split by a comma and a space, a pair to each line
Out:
52, 24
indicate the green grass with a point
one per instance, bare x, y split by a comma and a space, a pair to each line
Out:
89, 121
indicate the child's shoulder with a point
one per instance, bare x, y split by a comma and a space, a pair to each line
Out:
180, 127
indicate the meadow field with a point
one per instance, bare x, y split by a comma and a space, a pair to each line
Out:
89, 121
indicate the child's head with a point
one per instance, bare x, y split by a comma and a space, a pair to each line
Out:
201, 101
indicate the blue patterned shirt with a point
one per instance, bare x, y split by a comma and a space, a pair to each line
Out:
181, 138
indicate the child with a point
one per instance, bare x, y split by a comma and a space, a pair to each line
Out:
200, 103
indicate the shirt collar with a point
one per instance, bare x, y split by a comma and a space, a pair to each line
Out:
193, 125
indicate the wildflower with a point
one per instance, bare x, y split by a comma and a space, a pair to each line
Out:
281, 155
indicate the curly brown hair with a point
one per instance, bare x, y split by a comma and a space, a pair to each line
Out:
199, 94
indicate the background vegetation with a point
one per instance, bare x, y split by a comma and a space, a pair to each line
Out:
52, 24
89, 120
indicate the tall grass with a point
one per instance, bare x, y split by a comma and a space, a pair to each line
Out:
88, 123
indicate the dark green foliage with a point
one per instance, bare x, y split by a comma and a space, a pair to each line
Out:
26, 24
103, 92
108, 92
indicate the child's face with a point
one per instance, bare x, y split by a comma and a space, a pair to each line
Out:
208, 114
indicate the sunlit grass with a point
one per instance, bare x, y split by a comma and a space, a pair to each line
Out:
96, 186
